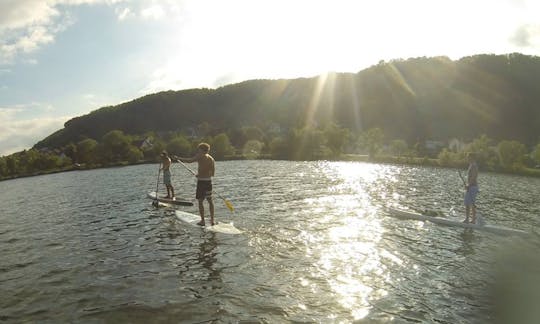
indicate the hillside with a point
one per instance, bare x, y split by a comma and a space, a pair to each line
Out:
413, 99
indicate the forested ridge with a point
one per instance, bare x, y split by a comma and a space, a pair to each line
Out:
419, 110
414, 99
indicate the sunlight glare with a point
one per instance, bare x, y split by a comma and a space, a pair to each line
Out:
349, 257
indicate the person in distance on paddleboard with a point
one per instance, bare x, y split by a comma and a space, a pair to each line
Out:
165, 167
471, 189
205, 172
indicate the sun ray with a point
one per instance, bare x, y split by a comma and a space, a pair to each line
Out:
315, 100
356, 104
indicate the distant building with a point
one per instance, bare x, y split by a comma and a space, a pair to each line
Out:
455, 145
192, 133
433, 147
144, 144
274, 128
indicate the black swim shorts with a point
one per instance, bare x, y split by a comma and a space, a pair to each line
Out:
204, 189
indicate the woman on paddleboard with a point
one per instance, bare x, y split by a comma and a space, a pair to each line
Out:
165, 167
471, 188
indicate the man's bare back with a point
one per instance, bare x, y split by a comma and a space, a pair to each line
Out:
206, 167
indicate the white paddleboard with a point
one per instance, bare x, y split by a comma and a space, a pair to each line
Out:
449, 222
176, 201
192, 219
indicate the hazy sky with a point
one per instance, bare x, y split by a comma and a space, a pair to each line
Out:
64, 58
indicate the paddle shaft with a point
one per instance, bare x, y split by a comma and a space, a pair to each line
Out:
157, 185
462, 179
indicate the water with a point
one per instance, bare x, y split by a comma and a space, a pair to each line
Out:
318, 246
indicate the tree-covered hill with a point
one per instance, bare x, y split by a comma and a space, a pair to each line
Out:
414, 99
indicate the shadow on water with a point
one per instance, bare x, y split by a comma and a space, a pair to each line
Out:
194, 281
515, 289
467, 239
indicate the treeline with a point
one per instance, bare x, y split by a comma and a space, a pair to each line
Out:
330, 142
506, 155
33, 162
400, 111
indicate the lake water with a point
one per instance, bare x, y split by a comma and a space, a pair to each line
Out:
318, 246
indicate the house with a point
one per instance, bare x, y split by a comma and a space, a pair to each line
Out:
432, 145
455, 145
275, 128
144, 144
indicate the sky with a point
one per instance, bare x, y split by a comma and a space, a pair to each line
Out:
61, 59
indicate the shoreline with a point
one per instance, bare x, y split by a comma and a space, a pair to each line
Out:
394, 160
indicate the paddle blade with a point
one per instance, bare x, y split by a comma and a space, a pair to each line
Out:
229, 205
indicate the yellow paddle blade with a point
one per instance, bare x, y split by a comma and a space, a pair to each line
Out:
229, 205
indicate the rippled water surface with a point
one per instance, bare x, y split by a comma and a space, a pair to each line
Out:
318, 246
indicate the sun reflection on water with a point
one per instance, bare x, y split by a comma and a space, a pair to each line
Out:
348, 256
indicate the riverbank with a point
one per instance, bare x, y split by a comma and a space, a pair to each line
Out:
397, 160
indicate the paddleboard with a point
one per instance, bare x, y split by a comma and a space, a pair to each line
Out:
402, 214
176, 201
192, 219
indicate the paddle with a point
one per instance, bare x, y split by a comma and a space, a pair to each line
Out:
462, 179
155, 203
227, 203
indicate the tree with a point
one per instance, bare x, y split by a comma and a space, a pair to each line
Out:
116, 145
252, 149
3, 167
239, 137
102, 155
485, 154
222, 146
204, 129
306, 144
372, 140
445, 157
48, 161
279, 148
536, 154
86, 150
253, 133
134, 154
336, 137
398, 147
179, 146
12, 164
312, 144
30, 161
420, 149
71, 151
511, 154
158, 146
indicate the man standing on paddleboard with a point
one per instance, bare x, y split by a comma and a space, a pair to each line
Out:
206, 169
165, 167
471, 189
